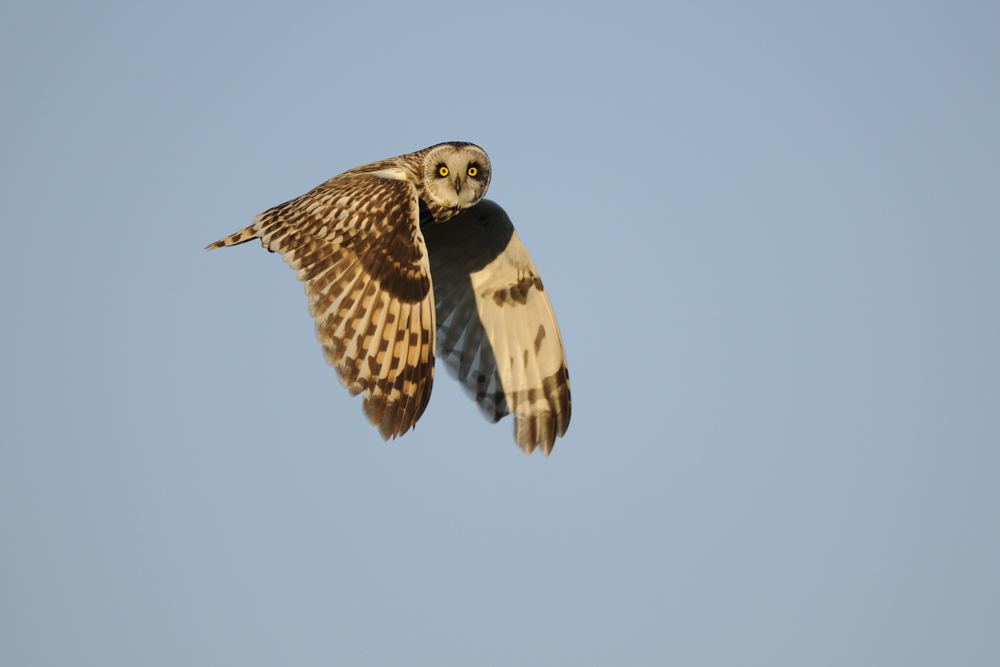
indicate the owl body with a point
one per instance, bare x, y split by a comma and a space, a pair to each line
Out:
357, 243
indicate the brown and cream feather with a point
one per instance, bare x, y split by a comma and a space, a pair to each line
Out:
497, 332
358, 244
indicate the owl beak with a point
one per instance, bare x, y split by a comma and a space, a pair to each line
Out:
458, 184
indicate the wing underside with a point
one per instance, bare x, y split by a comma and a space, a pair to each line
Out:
497, 332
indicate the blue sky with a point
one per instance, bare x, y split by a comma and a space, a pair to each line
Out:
770, 233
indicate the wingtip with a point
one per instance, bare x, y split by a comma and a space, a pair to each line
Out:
529, 446
536, 431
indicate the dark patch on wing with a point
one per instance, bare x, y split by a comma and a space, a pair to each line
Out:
542, 427
539, 337
393, 258
518, 292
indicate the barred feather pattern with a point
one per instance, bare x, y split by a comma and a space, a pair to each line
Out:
497, 332
367, 245
355, 242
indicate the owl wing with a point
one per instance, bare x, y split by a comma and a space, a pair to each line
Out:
355, 242
497, 333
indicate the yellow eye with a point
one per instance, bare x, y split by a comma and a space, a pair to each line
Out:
473, 171
443, 170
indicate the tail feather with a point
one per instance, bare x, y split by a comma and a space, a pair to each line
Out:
239, 237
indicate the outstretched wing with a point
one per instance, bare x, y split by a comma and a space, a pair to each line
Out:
497, 333
355, 242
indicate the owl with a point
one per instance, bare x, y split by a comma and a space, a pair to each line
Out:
404, 261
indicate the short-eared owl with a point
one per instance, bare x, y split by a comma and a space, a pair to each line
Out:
388, 249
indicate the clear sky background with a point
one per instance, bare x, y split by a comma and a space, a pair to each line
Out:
771, 234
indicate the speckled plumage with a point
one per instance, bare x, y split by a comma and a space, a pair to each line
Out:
497, 333
372, 246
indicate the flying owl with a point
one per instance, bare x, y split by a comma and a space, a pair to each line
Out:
403, 260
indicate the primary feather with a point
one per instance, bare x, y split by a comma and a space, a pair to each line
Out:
375, 244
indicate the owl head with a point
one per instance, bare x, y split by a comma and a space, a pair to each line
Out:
456, 175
